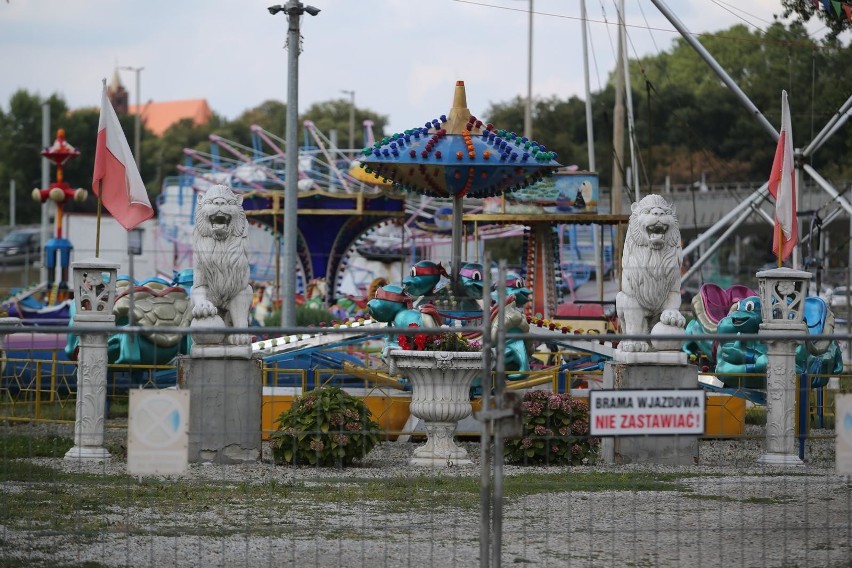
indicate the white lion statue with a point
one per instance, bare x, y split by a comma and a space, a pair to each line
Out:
650, 285
221, 294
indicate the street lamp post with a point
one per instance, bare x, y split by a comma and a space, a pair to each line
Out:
137, 129
294, 10
351, 120
528, 127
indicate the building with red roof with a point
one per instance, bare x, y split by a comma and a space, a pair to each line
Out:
158, 116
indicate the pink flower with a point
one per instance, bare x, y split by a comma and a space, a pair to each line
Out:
526, 443
555, 402
317, 445
531, 408
353, 426
576, 449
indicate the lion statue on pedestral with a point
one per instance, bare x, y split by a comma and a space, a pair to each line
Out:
651, 260
221, 294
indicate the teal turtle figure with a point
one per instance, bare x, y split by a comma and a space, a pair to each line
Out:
392, 305
517, 350
743, 364
389, 300
424, 276
516, 287
470, 280
462, 298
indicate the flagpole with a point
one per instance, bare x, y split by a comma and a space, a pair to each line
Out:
779, 237
100, 185
98, 226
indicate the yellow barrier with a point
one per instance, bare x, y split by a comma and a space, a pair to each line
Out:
724, 416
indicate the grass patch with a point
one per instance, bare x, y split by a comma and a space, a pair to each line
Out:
38, 497
529, 483
22, 407
747, 500
23, 471
766, 501
119, 407
756, 415
16, 446
700, 497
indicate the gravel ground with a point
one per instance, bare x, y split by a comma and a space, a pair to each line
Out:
726, 510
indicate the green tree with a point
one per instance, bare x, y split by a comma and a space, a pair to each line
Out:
21, 146
166, 152
683, 103
334, 115
836, 19
559, 124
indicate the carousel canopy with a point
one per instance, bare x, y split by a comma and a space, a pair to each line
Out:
457, 155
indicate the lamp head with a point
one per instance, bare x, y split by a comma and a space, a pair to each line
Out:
312, 10
275, 9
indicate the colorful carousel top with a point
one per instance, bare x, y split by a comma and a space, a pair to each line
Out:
457, 155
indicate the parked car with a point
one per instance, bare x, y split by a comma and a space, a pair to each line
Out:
20, 246
837, 297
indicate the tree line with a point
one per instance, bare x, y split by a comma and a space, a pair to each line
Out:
687, 122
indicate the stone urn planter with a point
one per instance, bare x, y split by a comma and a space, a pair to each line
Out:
440, 397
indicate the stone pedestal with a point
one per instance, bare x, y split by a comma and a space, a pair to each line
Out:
94, 299
782, 296
90, 412
668, 450
781, 443
224, 409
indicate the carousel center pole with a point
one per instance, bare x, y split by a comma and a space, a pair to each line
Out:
458, 213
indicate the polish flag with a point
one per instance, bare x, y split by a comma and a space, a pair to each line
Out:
124, 194
782, 186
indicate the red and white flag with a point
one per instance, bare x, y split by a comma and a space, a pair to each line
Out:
124, 194
782, 186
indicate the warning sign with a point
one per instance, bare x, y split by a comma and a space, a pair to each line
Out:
158, 432
646, 412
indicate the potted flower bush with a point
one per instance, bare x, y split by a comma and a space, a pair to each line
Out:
555, 431
325, 427
440, 369
447, 341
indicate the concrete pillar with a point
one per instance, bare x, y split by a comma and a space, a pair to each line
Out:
782, 297
224, 408
780, 446
94, 299
668, 450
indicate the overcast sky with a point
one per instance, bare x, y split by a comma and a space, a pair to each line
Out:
401, 57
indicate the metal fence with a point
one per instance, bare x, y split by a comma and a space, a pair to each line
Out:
506, 507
